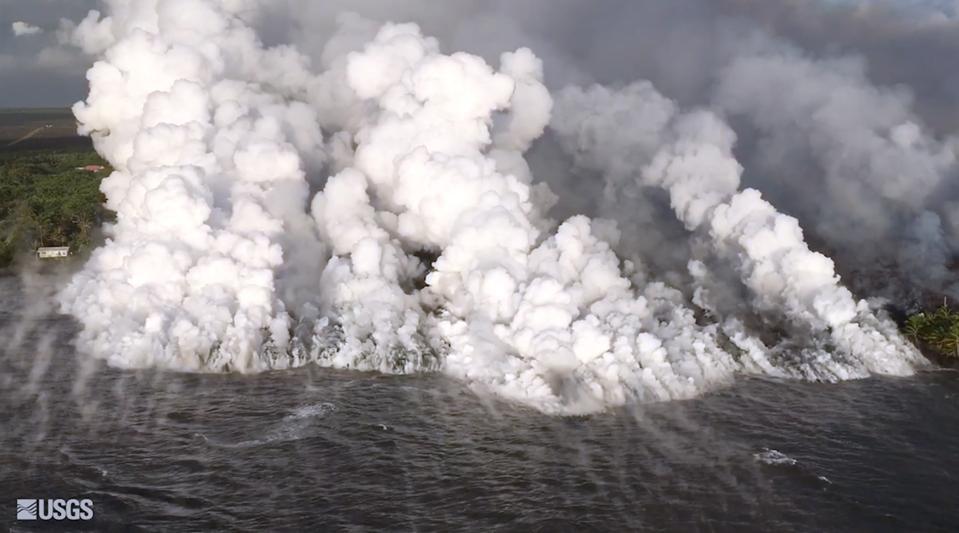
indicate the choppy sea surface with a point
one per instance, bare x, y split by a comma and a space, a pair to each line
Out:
315, 449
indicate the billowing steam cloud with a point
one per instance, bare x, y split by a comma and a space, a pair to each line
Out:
786, 282
208, 187
380, 215
547, 319
878, 171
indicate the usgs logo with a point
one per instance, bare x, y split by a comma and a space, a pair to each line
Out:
50, 509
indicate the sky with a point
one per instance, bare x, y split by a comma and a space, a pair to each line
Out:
929, 8
35, 71
902, 41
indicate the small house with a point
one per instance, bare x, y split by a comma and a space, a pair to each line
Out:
53, 252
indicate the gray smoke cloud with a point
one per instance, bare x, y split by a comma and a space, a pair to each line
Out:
841, 122
899, 42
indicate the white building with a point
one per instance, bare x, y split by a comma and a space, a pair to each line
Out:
51, 252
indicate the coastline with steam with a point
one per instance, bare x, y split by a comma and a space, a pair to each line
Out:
378, 213
479, 265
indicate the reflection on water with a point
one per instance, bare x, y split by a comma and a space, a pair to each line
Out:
289, 449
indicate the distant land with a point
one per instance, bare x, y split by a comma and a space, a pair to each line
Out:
40, 129
49, 185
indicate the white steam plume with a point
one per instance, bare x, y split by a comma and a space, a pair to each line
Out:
429, 246
690, 156
208, 185
554, 324
879, 176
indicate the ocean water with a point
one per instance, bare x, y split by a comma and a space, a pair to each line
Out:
315, 449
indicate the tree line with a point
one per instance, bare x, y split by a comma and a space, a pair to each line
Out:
46, 201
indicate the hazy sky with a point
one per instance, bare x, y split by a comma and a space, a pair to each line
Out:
34, 70
909, 42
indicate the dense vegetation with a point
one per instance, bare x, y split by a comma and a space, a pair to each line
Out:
937, 331
46, 201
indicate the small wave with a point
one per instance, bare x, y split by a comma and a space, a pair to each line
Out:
309, 411
294, 426
774, 457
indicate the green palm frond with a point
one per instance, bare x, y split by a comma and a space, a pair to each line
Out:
938, 330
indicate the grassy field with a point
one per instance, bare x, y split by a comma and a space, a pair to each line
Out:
33, 129
44, 199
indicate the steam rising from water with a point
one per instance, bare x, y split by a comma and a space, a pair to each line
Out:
379, 214
879, 168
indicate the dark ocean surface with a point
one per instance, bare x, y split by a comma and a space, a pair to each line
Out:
320, 450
